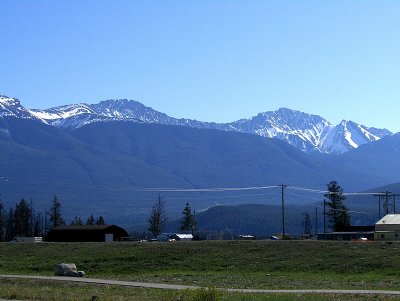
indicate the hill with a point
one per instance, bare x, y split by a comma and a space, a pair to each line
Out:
107, 168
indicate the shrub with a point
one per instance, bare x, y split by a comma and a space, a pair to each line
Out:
202, 294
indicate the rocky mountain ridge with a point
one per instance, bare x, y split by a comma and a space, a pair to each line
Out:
306, 132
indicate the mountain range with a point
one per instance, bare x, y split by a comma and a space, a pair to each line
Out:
113, 158
304, 131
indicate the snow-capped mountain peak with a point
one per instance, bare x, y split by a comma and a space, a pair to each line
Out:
297, 128
63, 112
127, 109
11, 107
306, 132
348, 135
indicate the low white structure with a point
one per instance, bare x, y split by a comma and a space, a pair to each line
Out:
174, 237
30, 239
388, 228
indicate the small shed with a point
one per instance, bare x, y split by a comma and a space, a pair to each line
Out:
388, 227
86, 233
31, 239
244, 237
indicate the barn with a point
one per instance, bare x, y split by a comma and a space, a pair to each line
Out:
86, 233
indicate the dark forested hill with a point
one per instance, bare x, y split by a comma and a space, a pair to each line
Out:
101, 168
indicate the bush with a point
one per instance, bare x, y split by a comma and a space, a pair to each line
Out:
202, 294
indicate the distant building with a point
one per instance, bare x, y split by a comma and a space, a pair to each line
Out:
86, 233
30, 239
350, 233
244, 237
174, 237
209, 235
388, 227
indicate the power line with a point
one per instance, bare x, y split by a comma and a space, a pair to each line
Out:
215, 189
219, 189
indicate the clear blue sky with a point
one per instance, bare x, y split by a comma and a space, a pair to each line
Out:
208, 60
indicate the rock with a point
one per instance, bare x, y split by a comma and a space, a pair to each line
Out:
67, 269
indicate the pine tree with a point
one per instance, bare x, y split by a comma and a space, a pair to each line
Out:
23, 219
338, 213
38, 225
55, 213
77, 221
188, 222
10, 225
158, 217
90, 220
100, 221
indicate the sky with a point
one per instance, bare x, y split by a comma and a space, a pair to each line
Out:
210, 60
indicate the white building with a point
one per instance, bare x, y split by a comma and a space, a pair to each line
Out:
174, 237
388, 228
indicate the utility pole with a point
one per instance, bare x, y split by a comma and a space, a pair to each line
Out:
379, 197
324, 217
316, 221
379, 204
283, 210
386, 196
45, 221
394, 202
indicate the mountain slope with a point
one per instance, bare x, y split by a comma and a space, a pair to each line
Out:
100, 164
301, 130
304, 131
349, 135
379, 157
11, 107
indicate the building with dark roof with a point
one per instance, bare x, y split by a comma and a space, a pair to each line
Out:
86, 233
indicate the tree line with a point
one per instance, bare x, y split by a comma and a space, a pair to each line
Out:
337, 214
24, 220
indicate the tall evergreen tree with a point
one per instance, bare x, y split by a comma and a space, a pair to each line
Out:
338, 213
188, 221
55, 213
38, 225
90, 220
77, 221
10, 225
23, 219
158, 217
100, 221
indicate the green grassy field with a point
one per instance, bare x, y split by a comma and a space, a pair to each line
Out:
225, 264
49, 291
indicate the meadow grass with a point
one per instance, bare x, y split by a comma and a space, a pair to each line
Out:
226, 264
43, 290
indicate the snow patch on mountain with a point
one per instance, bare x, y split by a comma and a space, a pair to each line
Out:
11, 107
304, 131
63, 112
348, 135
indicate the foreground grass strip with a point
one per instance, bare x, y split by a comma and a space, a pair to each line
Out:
31, 289
186, 287
226, 264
